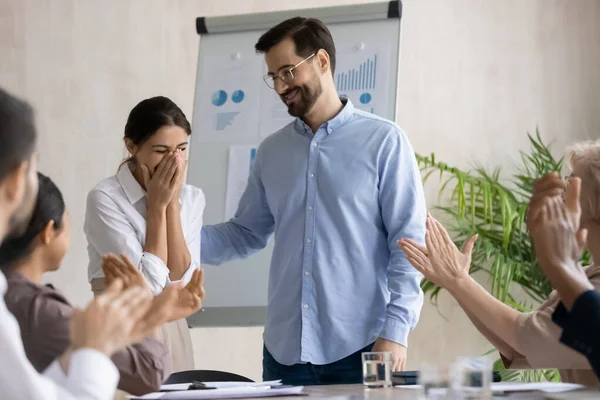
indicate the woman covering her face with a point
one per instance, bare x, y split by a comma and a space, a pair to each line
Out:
147, 213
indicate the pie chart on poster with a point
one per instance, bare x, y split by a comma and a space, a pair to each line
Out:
219, 98
365, 98
237, 96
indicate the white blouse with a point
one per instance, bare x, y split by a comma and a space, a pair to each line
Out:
115, 222
91, 375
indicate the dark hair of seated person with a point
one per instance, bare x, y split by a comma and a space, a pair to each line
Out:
50, 206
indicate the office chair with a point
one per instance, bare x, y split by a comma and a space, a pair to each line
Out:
205, 376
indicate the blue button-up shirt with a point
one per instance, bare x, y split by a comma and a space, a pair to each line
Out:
337, 201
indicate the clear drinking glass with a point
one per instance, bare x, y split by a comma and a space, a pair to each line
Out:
377, 369
472, 378
435, 381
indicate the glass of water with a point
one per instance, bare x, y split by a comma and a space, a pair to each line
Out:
471, 378
377, 369
435, 381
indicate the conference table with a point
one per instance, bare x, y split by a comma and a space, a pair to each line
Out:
358, 392
353, 392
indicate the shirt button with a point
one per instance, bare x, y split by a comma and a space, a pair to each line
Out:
305, 306
314, 145
307, 273
312, 175
328, 130
307, 240
309, 208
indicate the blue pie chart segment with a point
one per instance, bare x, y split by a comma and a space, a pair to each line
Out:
237, 96
365, 98
219, 98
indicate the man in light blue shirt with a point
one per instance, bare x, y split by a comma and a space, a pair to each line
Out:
338, 187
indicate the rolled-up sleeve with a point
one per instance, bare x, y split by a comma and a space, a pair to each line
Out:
108, 230
155, 271
143, 367
539, 342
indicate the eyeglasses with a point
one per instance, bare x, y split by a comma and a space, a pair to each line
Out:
286, 74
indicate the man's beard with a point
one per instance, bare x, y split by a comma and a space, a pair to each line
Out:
304, 100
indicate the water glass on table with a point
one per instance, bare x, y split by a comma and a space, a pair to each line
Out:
377, 369
465, 379
472, 378
436, 381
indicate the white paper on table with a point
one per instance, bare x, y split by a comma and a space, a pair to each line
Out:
184, 386
513, 387
241, 160
224, 393
221, 385
149, 396
585, 394
547, 387
228, 100
364, 76
171, 387
409, 386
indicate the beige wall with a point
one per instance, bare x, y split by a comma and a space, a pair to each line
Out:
475, 76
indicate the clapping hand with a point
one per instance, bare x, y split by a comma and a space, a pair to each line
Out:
440, 261
559, 240
176, 301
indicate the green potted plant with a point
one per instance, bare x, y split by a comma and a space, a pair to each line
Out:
494, 207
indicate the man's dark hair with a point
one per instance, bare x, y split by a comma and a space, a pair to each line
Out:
17, 132
309, 34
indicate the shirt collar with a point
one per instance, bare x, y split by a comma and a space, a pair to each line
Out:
131, 187
340, 119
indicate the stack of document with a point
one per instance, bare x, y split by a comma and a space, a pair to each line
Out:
545, 387
538, 390
223, 390
545, 390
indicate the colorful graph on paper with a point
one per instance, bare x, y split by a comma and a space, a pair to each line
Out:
229, 101
361, 76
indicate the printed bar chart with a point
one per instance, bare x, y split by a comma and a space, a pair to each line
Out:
362, 78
